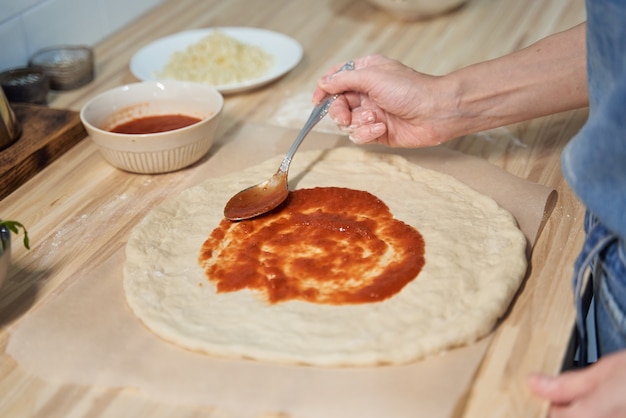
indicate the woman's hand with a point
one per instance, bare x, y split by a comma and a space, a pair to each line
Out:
387, 102
598, 391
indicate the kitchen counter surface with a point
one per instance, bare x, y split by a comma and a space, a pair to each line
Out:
67, 206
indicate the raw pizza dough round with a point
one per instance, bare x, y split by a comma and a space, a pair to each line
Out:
475, 262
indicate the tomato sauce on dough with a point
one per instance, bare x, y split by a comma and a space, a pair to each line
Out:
327, 245
155, 124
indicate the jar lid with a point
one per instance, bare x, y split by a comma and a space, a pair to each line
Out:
68, 67
25, 84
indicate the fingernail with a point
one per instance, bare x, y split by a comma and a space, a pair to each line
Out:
355, 139
367, 117
541, 380
338, 121
377, 128
346, 128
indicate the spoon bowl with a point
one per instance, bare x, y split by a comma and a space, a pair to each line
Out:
263, 197
259, 199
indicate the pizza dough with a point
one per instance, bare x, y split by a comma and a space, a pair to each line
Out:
474, 263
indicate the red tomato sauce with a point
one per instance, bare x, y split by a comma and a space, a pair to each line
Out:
324, 245
155, 124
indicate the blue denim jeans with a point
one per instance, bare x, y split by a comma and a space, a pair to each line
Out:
594, 165
604, 257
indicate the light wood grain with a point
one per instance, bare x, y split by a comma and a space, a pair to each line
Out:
70, 206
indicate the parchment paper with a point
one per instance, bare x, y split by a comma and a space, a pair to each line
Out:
87, 335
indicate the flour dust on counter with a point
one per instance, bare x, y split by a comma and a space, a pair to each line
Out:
468, 268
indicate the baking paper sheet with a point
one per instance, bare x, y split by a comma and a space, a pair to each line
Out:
86, 335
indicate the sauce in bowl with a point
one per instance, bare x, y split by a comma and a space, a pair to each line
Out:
154, 124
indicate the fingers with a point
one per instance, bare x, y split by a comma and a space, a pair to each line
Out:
353, 111
340, 112
319, 95
565, 388
357, 119
594, 391
349, 108
321, 90
340, 82
365, 134
573, 385
334, 82
361, 126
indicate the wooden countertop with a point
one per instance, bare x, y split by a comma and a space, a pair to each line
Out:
533, 337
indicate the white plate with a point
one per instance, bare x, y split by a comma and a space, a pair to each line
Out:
287, 54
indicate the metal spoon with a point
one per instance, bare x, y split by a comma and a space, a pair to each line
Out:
263, 197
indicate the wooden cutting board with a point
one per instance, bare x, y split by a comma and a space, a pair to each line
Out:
47, 133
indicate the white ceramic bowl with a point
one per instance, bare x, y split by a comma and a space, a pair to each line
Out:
155, 152
410, 10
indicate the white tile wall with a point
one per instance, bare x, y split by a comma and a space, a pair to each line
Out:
29, 25
12, 8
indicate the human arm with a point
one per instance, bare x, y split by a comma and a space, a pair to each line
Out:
594, 392
387, 102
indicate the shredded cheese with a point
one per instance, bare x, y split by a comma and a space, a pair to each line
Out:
218, 59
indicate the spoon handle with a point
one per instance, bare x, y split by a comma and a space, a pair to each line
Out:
317, 114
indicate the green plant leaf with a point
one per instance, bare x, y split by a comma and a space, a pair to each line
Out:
14, 227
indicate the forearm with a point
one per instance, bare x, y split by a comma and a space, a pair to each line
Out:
547, 77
